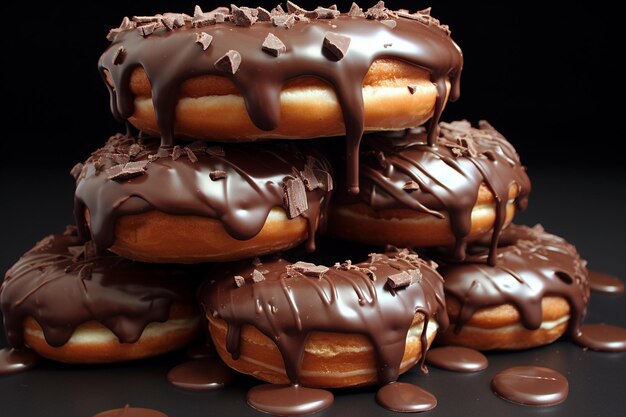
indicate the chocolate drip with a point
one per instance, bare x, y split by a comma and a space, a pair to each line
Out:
287, 306
129, 411
237, 185
531, 264
59, 285
205, 374
405, 398
531, 385
457, 359
288, 400
261, 76
403, 172
13, 361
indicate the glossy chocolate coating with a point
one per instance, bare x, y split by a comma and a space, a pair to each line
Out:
261, 76
531, 385
51, 285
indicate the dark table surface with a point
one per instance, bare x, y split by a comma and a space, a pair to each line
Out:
587, 208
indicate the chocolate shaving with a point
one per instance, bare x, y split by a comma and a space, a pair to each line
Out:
119, 56
284, 21
257, 276
217, 175
144, 20
229, 62
390, 23
425, 19
425, 12
309, 269
336, 44
273, 46
76, 170
177, 152
400, 280
90, 251
127, 170
173, 21
215, 151
86, 271
411, 186
412, 89
134, 150
190, 154
147, 30
263, 15
204, 39
356, 11
295, 9
325, 13
239, 281
379, 12
243, 16
295, 197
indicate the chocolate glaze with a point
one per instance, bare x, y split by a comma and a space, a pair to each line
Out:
605, 283
447, 176
531, 264
261, 76
531, 385
201, 375
128, 411
288, 400
287, 306
50, 285
457, 359
238, 185
405, 398
13, 361
603, 337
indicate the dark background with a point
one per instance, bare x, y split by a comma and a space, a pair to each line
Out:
545, 76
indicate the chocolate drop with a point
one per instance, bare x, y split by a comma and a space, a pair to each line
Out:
405, 398
602, 337
204, 374
288, 400
457, 359
13, 361
605, 283
531, 385
128, 411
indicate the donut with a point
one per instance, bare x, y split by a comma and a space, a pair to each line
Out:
417, 195
197, 202
317, 326
248, 74
71, 305
537, 291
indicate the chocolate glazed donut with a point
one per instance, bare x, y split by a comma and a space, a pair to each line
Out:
417, 195
347, 325
71, 305
199, 202
235, 45
538, 289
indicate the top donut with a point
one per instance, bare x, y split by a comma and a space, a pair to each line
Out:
243, 74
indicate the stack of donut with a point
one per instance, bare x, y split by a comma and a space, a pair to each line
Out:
229, 165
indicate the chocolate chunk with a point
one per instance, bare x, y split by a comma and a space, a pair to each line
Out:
144, 20
278, 11
202, 21
416, 276
284, 21
425, 11
119, 56
336, 44
309, 269
295, 197
400, 280
229, 62
190, 154
325, 13
173, 21
134, 150
161, 153
76, 170
147, 30
240, 281
378, 12
177, 152
257, 276
310, 180
390, 23
197, 11
325, 178
215, 151
243, 16
294, 8
425, 19
273, 46
263, 15
127, 170
204, 39
219, 17
90, 250
412, 89
356, 11
86, 271
411, 186
217, 175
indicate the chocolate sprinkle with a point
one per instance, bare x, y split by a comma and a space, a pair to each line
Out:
295, 196
336, 44
204, 39
127, 170
229, 62
273, 46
